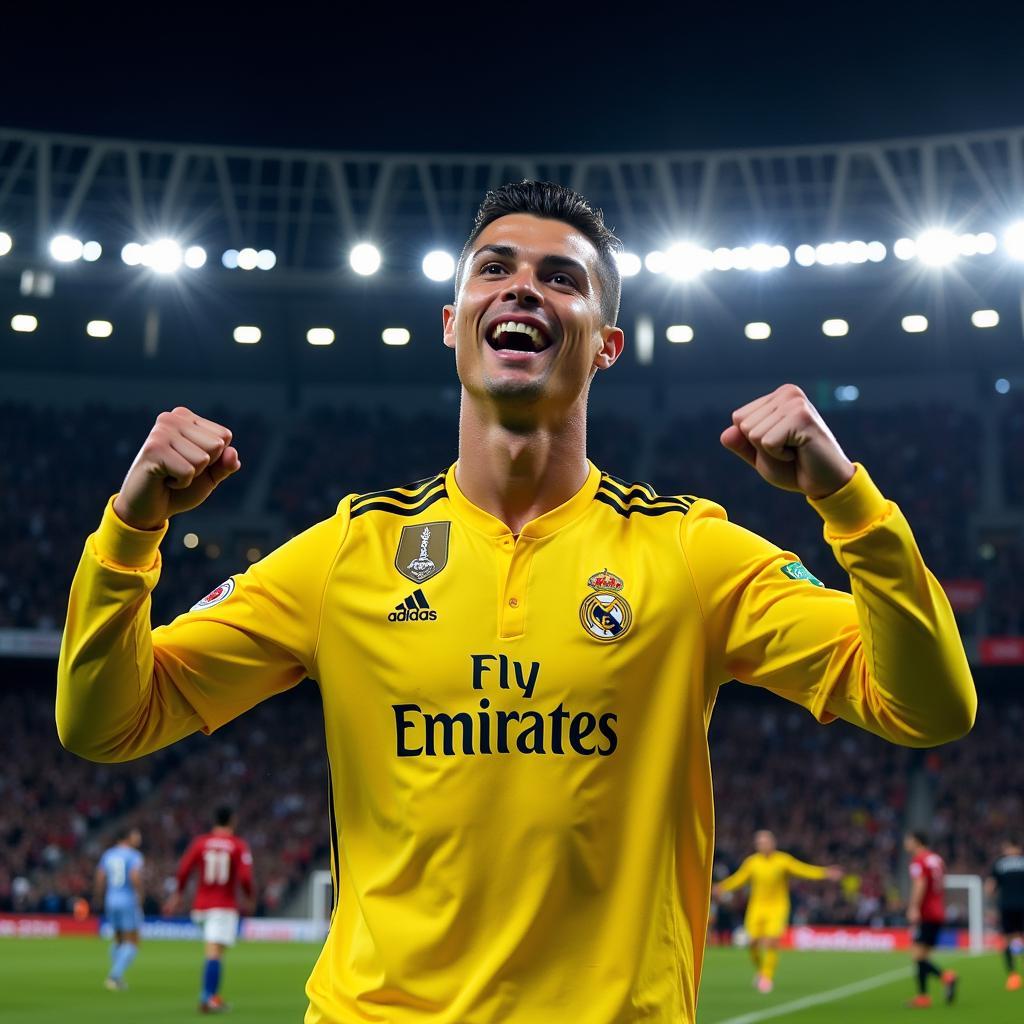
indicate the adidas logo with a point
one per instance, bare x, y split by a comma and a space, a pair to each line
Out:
413, 609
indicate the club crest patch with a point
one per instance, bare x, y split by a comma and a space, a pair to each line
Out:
606, 614
422, 551
796, 571
215, 596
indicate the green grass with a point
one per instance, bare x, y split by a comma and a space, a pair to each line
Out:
54, 981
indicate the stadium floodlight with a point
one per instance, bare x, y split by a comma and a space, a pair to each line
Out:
132, 254
685, 261
986, 243
395, 336
162, 256
858, 252
780, 256
191, 541
246, 334
6, 243
247, 258
439, 265
721, 259
847, 393
967, 245
656, 262
679, 334
804, 255
757, 331
937, 247
24, 323
1003, 386
985, 318
840, 253
1013, 240
65, 249
266, 259
761, 257
320, 336
904, 248
914, 324
876, 252
99, 328
835, 328
741, 257
195, 257
230, 259
91, 252
629, 264
365, 259
823, 254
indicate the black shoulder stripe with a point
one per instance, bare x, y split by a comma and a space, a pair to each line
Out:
401, 510
628, 484
638, 495
408, 494
644, 510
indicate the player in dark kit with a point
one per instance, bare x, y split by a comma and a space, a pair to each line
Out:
1008, 880
926, 913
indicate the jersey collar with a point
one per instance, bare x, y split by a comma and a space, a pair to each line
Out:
542, 526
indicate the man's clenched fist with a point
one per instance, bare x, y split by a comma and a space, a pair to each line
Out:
785, 439
182, 461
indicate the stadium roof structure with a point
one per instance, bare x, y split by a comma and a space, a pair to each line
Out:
303, 204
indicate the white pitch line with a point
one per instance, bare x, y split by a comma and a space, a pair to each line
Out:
877, 981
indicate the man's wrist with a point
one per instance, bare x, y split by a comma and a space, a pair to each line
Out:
852, 508
123, 545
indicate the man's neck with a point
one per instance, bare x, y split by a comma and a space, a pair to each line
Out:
517, 475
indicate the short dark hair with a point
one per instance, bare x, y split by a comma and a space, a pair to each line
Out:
224, 815
919, 835
555, 202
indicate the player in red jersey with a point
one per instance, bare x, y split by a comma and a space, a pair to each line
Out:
223, 863
926, 914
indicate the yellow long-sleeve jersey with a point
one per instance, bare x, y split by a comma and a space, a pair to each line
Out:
521, 803
768, 876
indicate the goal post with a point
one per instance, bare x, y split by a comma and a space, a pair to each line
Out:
321, 896
973, 891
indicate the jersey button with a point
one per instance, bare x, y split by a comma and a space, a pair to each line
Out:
513, 602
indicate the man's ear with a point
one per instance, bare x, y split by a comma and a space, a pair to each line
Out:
612, 342
448, 322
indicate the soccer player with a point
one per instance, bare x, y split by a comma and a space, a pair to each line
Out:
1007, 879
119, 888
222, 863
926, 913
767, 872
518, 657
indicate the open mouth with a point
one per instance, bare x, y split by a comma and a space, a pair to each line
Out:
513, 336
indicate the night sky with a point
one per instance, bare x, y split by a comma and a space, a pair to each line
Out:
530, 76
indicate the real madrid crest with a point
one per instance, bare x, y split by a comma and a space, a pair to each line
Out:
606, 614
422, 551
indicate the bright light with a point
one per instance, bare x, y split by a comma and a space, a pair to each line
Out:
721, 259
967, 245
804, 255
163, 256
847, 393
914, 324
741, 257
780, 256
824, 254
266, 259
132, 254
757, 331
195, 257
99, 328
904, 248
835, 328
1013, 239
629, 264
247, 259
395, 336
679, 334
1003, 386
841, 253
6, 243
191, 541
858, 252
985, 318
230, 259
91, 252
65, 249
937, 247
761, 257
440, 266
656, 262
24, 323
320, 336
365, 259
247, 335
986, 243
876, 252
685, 261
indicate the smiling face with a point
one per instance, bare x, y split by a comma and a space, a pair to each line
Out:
527, 326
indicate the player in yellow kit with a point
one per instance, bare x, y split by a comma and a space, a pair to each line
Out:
767, 872
518, 658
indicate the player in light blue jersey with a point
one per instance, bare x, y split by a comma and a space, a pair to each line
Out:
119, 887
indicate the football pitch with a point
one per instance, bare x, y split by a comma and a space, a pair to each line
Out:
53, 981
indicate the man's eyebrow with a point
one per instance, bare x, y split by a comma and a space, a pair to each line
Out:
551, 260
499, 250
